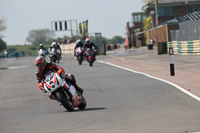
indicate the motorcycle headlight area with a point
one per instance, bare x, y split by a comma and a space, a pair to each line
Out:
49, 77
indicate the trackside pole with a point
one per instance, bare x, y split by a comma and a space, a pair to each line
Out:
171, 54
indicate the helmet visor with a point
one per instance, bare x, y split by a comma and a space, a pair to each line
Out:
40, 65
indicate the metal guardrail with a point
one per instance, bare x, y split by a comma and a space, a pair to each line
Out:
11, 54
185, 47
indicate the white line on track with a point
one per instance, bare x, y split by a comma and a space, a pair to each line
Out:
168, 82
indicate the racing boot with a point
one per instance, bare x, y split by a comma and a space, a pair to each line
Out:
78, 89
76, 99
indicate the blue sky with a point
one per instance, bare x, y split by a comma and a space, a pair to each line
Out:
106, 16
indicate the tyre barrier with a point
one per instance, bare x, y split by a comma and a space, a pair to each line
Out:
113, 46
185, 47
108, 47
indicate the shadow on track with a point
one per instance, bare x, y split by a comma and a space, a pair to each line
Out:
89, 109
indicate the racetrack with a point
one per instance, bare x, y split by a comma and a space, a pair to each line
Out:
117, 101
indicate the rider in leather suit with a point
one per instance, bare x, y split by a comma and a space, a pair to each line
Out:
44, 68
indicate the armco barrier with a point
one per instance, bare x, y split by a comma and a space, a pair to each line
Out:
185, 47
11, 54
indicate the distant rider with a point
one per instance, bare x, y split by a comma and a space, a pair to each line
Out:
43, 50
41, 47
89, 45
56, 46
44, 68
79, 43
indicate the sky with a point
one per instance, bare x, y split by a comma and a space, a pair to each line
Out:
106, 16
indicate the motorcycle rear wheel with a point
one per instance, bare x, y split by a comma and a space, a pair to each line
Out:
65, 101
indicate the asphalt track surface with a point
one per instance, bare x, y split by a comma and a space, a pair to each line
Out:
117, 101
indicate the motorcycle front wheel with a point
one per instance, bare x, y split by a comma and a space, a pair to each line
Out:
80, 59
53, 59
90, 61
65, 101
83, 103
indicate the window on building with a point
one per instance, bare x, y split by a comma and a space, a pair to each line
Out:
189, 9
135, 18
167, 11
196, 7
174, 10
144, 17
164, 11
139, 18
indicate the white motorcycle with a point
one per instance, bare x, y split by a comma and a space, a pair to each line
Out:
54, 55
41, 52
53, 85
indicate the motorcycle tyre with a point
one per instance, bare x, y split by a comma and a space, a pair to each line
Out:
83, 103
53, 59
80, 60
90, 62
65, 101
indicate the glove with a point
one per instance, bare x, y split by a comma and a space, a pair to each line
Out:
61, 74
59, 71
41, 86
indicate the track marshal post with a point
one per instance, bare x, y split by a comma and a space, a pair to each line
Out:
171, 54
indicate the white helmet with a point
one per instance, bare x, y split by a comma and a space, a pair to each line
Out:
53, 44
41, 45
78, 41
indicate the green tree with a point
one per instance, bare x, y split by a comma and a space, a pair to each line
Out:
3, 45
147, 25
43, 36
104, 40
117, 40
2, 26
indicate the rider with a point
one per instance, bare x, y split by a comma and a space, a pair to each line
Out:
43, 48
56, 46
78, 44
44, 68
90, 45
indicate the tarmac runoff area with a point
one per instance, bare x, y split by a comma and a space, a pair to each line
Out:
149, 63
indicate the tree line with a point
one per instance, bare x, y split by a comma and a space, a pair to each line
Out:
45, 37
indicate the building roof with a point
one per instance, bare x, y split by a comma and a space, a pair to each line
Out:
188, 17
169, 3
175, 1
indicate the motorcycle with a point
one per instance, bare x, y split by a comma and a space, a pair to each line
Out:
41, 52
53, 84
54, 55
79, 55
90, 54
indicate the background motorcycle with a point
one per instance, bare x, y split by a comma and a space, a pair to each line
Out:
41, 52
79, 55
54, 55
90, 54
53, 84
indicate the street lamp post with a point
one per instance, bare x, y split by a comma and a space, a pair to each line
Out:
156, 12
